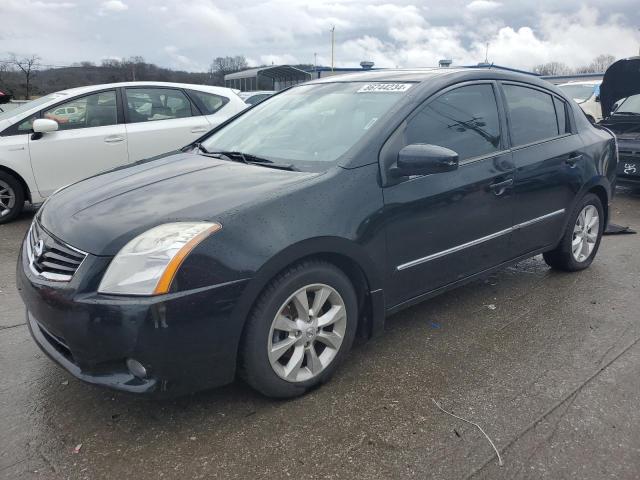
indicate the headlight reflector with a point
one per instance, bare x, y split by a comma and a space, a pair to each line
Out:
148, 263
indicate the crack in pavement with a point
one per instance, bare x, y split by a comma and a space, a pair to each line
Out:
553, 408
6, 327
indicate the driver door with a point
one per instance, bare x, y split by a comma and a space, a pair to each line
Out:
90, 139
444, 227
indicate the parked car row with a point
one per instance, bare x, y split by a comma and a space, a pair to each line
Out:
262, 248
70, 135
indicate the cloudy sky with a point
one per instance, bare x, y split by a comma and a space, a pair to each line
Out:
187, 34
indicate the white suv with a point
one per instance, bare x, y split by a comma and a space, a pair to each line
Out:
70, 135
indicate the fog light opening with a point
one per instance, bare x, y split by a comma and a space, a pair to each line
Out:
136, 368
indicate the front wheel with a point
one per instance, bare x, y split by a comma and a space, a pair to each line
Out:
11, 197
581, 239
301, 328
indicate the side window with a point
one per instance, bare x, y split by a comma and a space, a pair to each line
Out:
464, 120
97, 110
208, 102
27, 124
532, 115
561, 113
257, 98
150, 104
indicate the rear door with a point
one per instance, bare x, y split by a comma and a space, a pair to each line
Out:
90, 140
160, 120
447, 226
549, 162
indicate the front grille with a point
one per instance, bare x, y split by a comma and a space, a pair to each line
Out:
628, 156
49, 257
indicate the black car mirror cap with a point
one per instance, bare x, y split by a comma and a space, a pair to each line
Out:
424, 159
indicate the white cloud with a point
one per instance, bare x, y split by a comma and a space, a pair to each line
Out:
180, 61
112, 6
483, 5
284, 59
190, 33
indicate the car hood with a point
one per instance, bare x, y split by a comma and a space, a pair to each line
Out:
101, 214
626, 127
621, 80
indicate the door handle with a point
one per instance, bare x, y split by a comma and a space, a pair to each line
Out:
499, 188
199, 130
113, 139
573, 158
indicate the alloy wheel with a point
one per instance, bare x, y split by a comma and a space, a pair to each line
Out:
585, 233
7, 198
307, 332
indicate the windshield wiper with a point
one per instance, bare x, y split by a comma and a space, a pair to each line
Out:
248, 159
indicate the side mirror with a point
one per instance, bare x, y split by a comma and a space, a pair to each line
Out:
44, 125
597, 99
424, 159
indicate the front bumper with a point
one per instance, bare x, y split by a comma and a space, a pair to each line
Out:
187, 341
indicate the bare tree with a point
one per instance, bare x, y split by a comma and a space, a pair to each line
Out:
27, 65
226, 65
552, 68
598, 65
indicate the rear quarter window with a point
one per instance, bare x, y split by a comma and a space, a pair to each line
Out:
208, 103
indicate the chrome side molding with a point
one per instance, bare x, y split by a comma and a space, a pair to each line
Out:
478, 241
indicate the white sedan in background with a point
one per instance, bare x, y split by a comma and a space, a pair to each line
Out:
70, 135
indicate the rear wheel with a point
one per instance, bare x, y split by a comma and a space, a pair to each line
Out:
581, 240
301, 328
11, 197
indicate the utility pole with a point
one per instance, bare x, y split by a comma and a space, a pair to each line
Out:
333, 31
315, 61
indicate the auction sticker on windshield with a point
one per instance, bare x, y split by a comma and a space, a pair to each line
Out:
385, 88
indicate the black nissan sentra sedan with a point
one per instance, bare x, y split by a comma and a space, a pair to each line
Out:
263, 249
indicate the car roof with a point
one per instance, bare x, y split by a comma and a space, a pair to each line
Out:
425, 75
94, 88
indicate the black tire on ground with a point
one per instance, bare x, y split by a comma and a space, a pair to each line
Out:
19, 194
254, 365
561, 258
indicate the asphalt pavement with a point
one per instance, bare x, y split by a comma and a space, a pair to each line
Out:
547, 363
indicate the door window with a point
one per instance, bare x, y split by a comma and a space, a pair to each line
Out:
151, 104
465, 120
532, 116
208, 102
97, 110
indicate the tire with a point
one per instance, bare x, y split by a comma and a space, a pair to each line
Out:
11, 197
563, 256
272, 370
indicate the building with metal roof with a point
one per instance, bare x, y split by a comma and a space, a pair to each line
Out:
275, 77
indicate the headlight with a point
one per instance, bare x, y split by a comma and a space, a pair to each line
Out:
148, 263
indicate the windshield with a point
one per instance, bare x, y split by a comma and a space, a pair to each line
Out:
579, 92
309, 123
24, 107
629, 105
